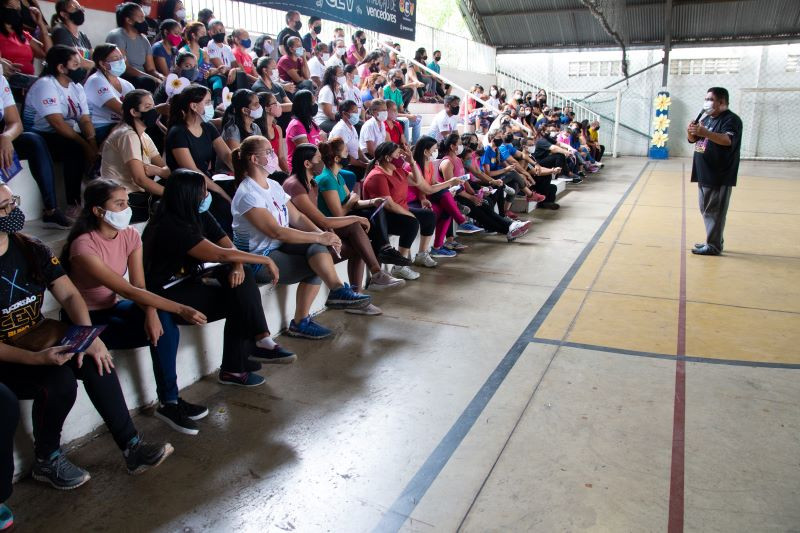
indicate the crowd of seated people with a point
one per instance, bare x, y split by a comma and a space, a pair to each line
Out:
247, 162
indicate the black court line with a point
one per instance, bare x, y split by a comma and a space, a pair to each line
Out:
404, 505
671, 357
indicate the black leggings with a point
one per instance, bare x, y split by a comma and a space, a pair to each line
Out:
9, 417
485, 215
53, 390
378, 227
70, 153
406, 228
240, 307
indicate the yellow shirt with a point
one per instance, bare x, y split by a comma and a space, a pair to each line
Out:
592, 135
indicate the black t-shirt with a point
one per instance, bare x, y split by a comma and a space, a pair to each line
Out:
285, 34
260, 87
20, 297
542, 150
167, 248
201, 148
715, 165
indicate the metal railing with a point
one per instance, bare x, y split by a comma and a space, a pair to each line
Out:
457, 52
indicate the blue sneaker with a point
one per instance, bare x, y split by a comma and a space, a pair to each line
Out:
345, 298
59, 472
468, 228
6, 517
243, 379
442, 252
308, 329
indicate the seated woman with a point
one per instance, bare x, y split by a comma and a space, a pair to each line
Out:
301, 128
328, 98
302, 187
267, 71
196, 38
54, 108
267, 224
503, 195
69, 16
293, 68
17, 46
346, 130
30, 146
240, 120
372, 88
130, 38
35, 370
357, 51
272, 130
389, 175
9, 418
100, 249
194, 143
131, 158
178, 239
185, 66
165, 50
105, 89
441, 202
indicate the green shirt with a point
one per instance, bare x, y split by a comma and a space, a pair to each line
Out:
395, 95
328, 182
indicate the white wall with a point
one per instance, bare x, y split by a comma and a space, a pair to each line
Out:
761, 66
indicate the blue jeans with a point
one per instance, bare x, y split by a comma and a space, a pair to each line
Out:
32, 146
125, 330
416, 127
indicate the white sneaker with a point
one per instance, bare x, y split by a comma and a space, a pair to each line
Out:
424, 259
370, 310
382, 280
518, 228
404, 272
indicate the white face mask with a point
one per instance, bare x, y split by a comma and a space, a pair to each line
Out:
383, 115
340, 51
256, 113
435, 154
181, 14
493, 92
459, 149
272, 164
275, 77
708, 106
342, 80
146, 11
119, 220
326, 56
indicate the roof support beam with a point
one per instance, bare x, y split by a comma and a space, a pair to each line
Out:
575, 10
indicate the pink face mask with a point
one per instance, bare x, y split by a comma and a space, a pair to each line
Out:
272, 164
174, 40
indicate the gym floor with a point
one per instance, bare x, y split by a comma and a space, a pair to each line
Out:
592, 376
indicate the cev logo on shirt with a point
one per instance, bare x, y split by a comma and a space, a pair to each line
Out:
49, 101
102, 90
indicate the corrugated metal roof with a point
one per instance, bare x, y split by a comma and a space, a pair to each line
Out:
536, 24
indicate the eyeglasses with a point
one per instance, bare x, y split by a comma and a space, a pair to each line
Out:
11, 204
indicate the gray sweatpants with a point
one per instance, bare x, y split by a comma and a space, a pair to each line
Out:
714, 208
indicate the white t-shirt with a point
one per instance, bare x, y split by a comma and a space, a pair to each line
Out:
220, 51
325, 96
372, 130
48, 97
99, 91
6, 96
334, 61
443, 122
353, 94
316, 67
251, 195
348, 134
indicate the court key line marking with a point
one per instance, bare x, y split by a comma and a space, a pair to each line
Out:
407, 501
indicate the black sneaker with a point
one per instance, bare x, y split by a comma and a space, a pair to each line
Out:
56, 220
277, 355
141, 455
390, 256
577, 179
59, 472
193, 411
177, 419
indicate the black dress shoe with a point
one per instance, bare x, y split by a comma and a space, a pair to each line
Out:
705, 250
699, 245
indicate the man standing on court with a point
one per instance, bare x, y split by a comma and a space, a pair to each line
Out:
717, 139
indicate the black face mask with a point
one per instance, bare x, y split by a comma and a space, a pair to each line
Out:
473, 146
405, 71
314, 110
203, 41
363, 40
13, 222
437, 58
77, 75
27, 18
497, 142
77, 17
317, 29
379, 86
149, 117
12, 17
141, 27
509, 139
298, 25
189, 73
454, 110
219, 38
398, 83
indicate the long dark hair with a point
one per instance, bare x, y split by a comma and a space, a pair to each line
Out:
329, 79
447, 143
382, 151
16, 29
233, 115
301, 109
302, 153
424, 143
96, 194
132, 100
264, 100
183, 192
58, 54
179, 104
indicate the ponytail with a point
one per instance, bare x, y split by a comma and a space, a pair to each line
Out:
241, 155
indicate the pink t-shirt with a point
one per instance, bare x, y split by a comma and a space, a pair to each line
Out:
296, 129
113, 252
351, 58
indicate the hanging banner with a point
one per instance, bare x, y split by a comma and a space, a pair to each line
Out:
392, 17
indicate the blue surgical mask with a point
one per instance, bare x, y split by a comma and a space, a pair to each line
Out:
356, 79
245, 43
205, 204
118, 67
354, 118
208, 113
299, 51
